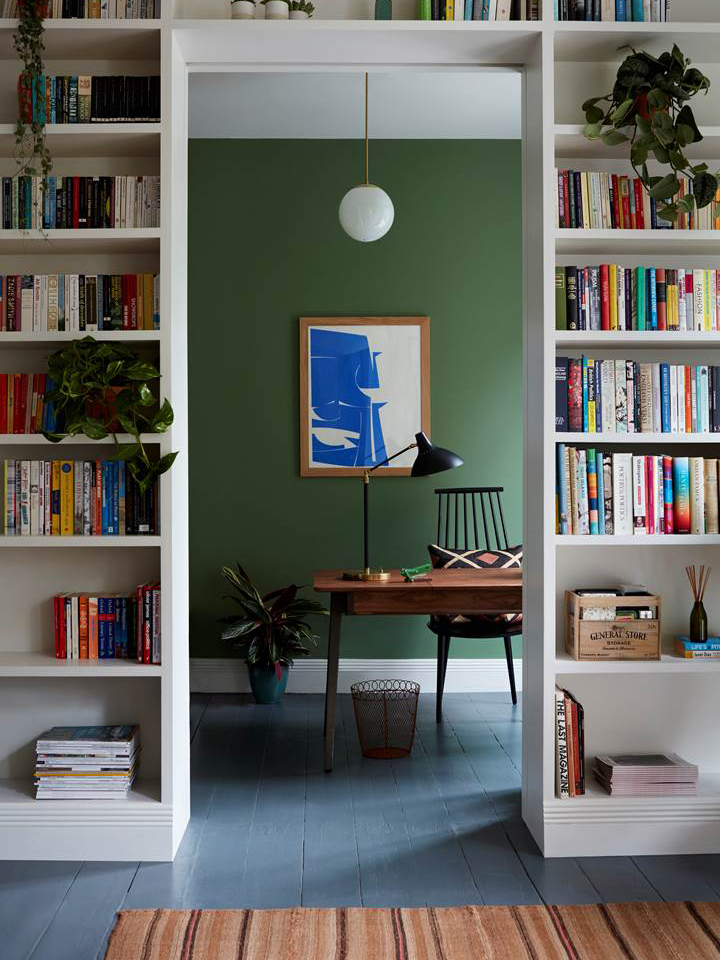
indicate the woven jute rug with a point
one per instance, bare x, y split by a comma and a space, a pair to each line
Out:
623, 931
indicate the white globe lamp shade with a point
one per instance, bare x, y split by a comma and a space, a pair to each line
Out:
366, 213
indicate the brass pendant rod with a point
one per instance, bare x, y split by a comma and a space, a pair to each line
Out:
366, 130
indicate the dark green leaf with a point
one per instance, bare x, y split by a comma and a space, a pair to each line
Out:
705, 187
612, 138
667, 187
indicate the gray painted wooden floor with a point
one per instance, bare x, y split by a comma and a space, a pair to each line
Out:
269, 829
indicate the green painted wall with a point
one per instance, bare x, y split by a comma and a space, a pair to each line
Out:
266, 248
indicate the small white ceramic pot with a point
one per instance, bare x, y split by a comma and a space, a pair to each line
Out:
242, 10
277, 10
298, 15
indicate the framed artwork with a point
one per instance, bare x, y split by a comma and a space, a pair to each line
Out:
364, 392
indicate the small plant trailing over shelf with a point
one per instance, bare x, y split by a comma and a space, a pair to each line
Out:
31, 152
271, 630
303, 5
648, 109
102, 389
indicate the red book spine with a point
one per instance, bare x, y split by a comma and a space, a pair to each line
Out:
577, 764
60, 634
604, 297
616, 200
561, 199
566, 193
29, 402
661, 283
3, 403
124, 294
147, 624
20, 403
140, 639
688, 400
667, 486
639, 208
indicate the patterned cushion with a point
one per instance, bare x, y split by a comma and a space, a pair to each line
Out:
445, 559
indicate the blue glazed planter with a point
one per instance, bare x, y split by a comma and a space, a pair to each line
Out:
265, 685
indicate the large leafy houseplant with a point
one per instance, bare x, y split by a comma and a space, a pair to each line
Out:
271, 630
648, 109
31, 152
101, 389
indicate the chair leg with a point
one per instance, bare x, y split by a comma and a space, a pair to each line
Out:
511, 667
442, 659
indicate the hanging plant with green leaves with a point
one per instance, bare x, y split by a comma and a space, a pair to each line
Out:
31, 152
101, 389
648, 109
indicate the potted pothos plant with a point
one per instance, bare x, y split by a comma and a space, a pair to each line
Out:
268, 631
301, 9
103, 389
648, 110
31, 152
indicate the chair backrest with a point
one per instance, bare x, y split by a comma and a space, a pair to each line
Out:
471, 518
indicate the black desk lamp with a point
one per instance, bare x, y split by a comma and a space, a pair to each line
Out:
429, 460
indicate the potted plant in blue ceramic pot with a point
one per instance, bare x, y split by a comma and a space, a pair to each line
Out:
269, 631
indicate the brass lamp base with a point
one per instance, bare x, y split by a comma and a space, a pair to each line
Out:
368, 575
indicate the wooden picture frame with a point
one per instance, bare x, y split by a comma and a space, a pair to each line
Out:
386, 424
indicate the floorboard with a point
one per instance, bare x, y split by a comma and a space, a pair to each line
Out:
270, 829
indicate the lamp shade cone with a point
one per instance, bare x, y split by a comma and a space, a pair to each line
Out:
431, 459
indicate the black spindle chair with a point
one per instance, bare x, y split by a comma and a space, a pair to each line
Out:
472, 519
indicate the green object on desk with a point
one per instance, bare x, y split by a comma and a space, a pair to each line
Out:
413, 573
383, 9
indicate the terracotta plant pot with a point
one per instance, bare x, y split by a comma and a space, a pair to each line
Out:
106, 410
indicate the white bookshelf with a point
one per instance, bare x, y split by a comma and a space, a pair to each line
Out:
36, 690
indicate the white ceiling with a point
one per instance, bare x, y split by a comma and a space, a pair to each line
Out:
403, 105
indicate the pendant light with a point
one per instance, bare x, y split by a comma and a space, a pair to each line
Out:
366, 212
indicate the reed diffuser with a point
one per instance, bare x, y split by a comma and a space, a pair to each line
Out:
698, 617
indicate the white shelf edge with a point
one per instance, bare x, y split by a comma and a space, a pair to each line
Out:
637, 438
111, 233
641, 540
646, 338
143, 540
664, 236
37, 439
565, 666
13, 338
14, 664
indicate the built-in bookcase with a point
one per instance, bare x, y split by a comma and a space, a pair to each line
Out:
36, 690
650, 706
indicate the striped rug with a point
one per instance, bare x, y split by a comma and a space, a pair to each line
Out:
622, 931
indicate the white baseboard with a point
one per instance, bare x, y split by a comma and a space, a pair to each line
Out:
227, 675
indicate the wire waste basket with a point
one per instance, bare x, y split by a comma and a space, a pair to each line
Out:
385, 713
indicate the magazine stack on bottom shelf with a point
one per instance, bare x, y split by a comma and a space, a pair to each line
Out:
646, 775
86, 763
569, 745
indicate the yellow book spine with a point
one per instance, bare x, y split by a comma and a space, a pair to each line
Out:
613, 297
585, 188
449, 9
55, 498
148, 301
706, 302
67, 498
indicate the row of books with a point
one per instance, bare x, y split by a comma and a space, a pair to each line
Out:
624, 396
23, 408
624, 494
614, 11
86, 763
84, 99
116, 626
493, 10
610, 296
80, 202
606, 201
75, 498
92, 9
71, 302
569, 745
684, 647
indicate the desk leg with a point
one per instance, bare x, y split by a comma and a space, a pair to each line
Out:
337, 608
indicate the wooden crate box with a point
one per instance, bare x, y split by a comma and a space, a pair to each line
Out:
611, 639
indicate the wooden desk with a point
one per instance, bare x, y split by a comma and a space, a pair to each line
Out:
445, 592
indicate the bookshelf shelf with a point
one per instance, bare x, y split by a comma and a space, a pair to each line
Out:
565, 666
622, 338
577, 42
613, 242
641, 540
571, 144
24, 340
91, 39
107, 541
93, 139
37, 439
668, 439
51, 242
20, 664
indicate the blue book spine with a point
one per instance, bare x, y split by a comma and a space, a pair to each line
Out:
102, 629
665, 396
713, 643
652, 290
556, 10
105, 497
601, 491
115, 498
586, 417
563, 505
469, 9
111, 611
638, 14
620, 12
121, 628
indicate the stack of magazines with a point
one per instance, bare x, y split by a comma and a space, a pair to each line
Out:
646, 775
86, 763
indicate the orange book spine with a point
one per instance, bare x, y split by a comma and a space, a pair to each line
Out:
83, 626
92, 628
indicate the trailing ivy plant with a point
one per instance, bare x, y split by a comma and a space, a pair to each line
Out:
304, 5
31, 152
100, 387
648, 109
